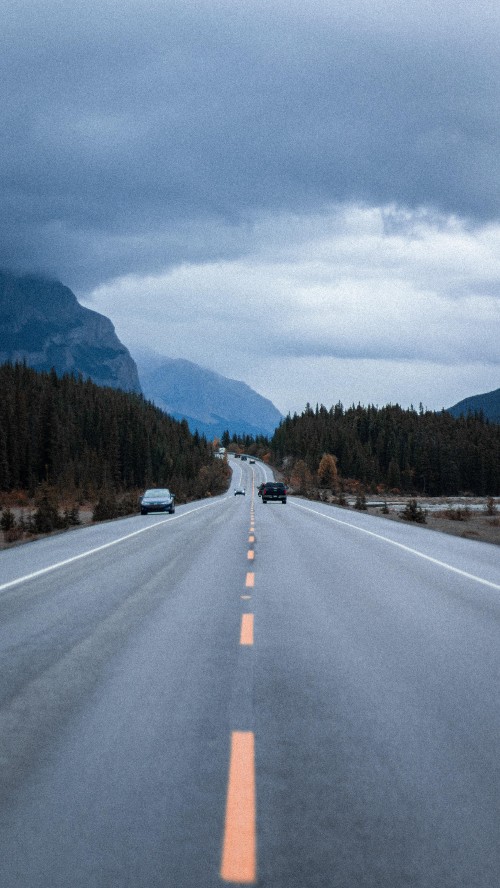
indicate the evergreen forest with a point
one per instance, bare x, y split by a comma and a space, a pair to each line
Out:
82, 439
390, 448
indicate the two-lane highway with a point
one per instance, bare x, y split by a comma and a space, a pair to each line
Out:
250, 694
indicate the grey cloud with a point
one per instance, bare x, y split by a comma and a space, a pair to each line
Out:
439, 349
151, 134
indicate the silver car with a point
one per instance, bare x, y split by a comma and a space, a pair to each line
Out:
157, 500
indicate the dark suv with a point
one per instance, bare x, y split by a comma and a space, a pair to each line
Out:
273, 491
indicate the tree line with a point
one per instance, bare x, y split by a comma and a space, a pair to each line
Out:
82, 439
390, 448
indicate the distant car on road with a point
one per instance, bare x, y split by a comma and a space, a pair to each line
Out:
158, 499
252, 461
261, 488
273, 491
240, 491
243, 456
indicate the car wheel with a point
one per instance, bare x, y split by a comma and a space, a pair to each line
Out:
144, 511
264, 500
283, 501
172, 510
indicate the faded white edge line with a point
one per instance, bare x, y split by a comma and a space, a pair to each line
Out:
416, 552
51, 567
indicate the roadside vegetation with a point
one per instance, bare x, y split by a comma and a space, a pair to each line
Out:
388, 450
68, 446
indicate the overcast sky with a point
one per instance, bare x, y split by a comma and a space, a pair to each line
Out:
305, 196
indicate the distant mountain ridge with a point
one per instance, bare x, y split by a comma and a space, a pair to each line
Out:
211, 403
43, 324
488, 404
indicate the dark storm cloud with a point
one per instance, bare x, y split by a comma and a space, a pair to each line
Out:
139, 135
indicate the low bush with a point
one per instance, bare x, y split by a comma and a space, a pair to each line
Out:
414, 512
110, 506
47, 517
71, 517
13, 535
455, 514
8, 520
106, 507
360, 503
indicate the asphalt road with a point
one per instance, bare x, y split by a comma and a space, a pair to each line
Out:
289, 696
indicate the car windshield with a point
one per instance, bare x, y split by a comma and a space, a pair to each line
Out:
156, 494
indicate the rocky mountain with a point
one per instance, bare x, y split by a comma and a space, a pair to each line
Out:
43, 324
210, 402
489, 404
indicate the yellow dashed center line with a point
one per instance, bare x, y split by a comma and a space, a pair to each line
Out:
239, 852
246, 634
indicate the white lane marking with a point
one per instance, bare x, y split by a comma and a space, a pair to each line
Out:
128, 536
416, 552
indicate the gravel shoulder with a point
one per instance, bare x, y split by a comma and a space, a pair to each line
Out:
466, 517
